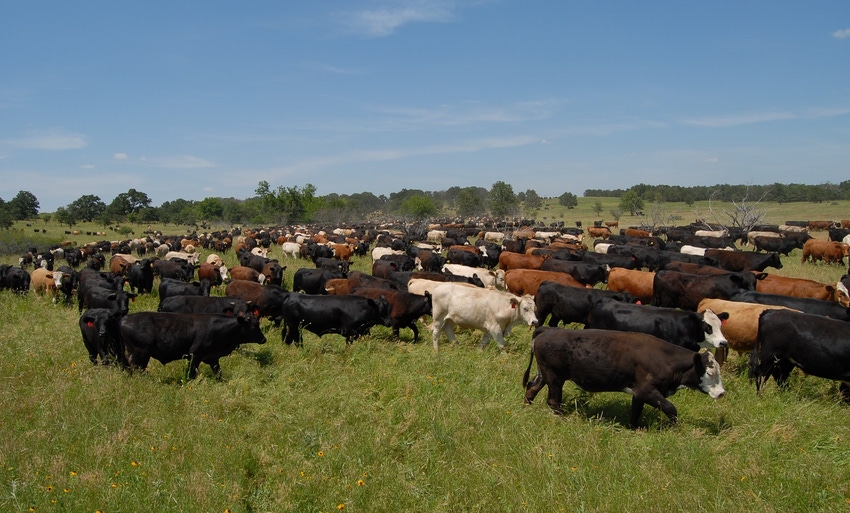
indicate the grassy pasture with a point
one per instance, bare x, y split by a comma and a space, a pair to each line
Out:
385, 425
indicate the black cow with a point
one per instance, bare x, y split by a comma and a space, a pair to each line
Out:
617, 361
405, 308
175, 269
684, 290
333, 264
102, 336
140, 276
680, 327
16, 279
169, 287
463, 257
253, 261
817, 345
167, 336
741, 261
624, 261
807, 305
117, 300
207, 305
348, 315
90, 279
584, 273
384, 268
779, 245
404, 262
312, 281
570, 304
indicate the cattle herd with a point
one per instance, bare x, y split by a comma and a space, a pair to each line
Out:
659, 308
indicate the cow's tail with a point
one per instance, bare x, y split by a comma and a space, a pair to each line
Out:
755, 372
528, 369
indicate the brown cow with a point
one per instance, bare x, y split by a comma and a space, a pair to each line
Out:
599, 231
508, 260
819, 226
741, 328
830, 252
243, 273
799, 287
527, 281
636, 283
342, 251
635, 232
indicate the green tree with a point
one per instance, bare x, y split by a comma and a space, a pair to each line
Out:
65, 216
6, 217
23, 206
631, 202
210, 209
288, 204
127, 203
503, 202
532, 200
568, 200
87, 207
419, 207
597, 207
469, 202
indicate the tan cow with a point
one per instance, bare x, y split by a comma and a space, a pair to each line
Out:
637, 283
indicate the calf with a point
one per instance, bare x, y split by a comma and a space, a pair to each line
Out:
350, 316
197, 337
469, 307
405, 308
685, 329
101, 335
648, 368
817, 345
570, 304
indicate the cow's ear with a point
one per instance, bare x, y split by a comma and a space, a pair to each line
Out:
700, 363
514, 302
723, 316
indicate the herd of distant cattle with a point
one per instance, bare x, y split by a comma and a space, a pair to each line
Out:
648, 299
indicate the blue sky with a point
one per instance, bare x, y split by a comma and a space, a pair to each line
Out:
196, 99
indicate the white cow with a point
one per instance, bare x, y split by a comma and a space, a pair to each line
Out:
491, 311
378, 252
292, 249
493, 279
712, 233
192, 258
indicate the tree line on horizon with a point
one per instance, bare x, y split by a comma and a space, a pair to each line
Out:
293, 204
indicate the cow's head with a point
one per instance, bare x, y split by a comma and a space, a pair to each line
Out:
711, 323
708, 371
526, 309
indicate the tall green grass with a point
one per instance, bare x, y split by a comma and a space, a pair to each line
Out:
387, 425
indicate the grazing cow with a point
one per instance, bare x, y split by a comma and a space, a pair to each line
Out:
495, 279
379, 251
428, 260
312, 281
692, 268
648, 368
169, 288
100, 328
819, 226
342, 251
207, 305
526, 281
350, 316
800, 287
405, 308
213, 273
242, 273
266, 300
739, 261
683, 328
292, 249
602, 232
167, 336
685, 291
191, 258
384, 268
569, 304
491, 311
740, 328
830, 252
15, 279
817, 345
637, 283
806, 305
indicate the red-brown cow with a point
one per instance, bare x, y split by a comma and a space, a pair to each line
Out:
636, 283
508, 260
527, 281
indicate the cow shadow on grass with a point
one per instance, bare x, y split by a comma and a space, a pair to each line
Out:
616, 410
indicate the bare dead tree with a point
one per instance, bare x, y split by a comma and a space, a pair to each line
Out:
744, 213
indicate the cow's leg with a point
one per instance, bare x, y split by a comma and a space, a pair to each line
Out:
533, 387
780, 371
436, 328
844, 391
556, 390
720, 355
415, 330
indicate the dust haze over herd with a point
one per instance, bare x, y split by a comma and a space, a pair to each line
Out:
381, 96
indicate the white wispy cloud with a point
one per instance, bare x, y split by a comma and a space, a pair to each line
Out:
748, 118
384, 21
53, 140
87, 166
120, 156
329, 68
841, 34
